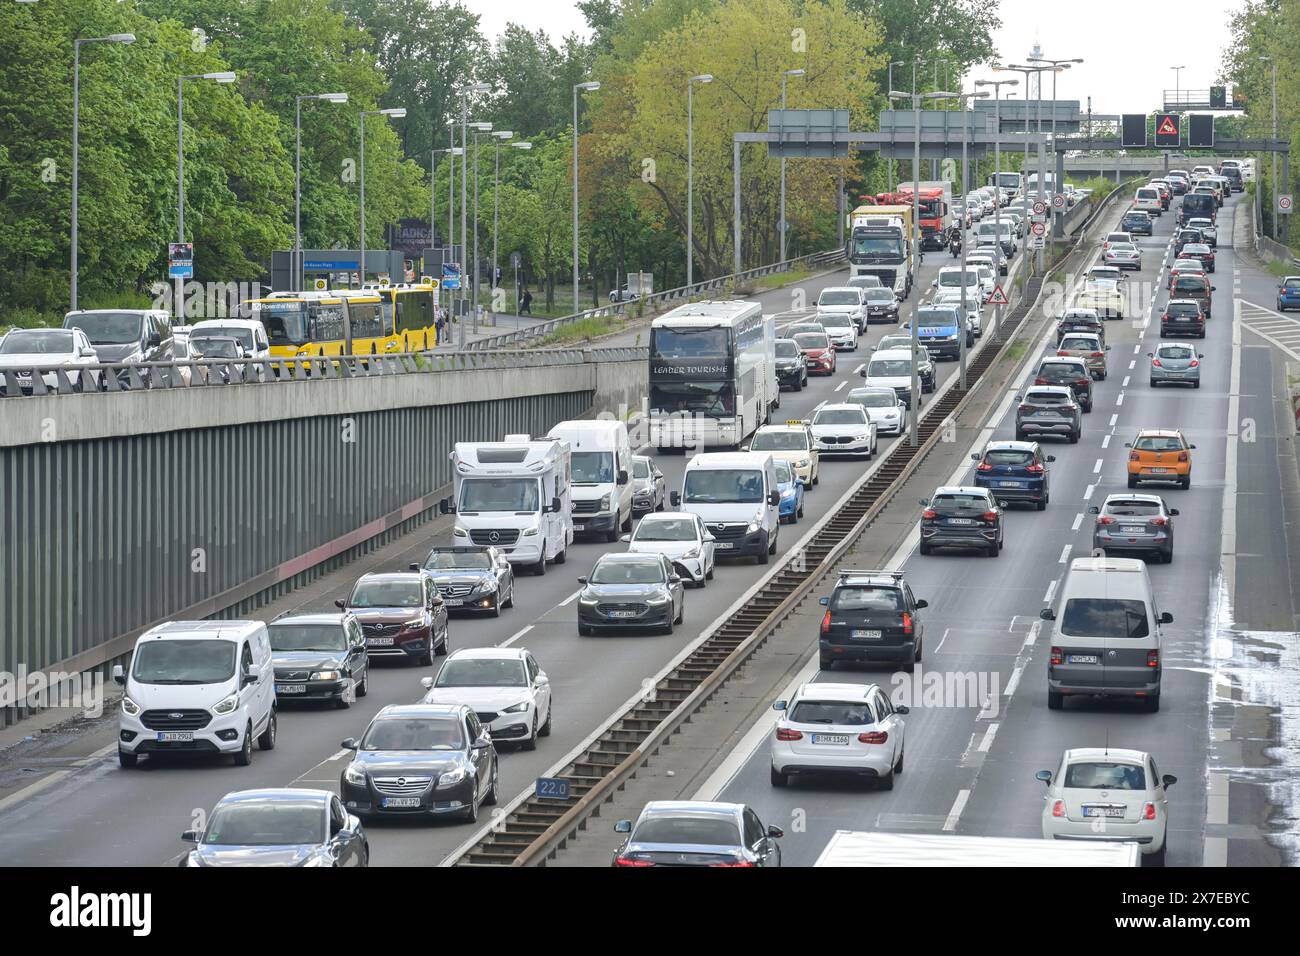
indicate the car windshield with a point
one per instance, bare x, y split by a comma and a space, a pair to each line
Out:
36, 342
242, 335
865, 282
785, 348
840, 416
853, 714
666, 529
1008, 456
1104, 618
874, 399
879, 295
859, 598
953, 280
413, 733
484, 672
959, 502
889, 368
936, 318
108, 328
707, 398
838, 297
704, 830
812, 340
592, 467
214, 348
1159, 443
1130, 507
628, 572
307, 637
780, 441
459, 561
640, 468
499, 494
1098, 775
724, 486
273, 823
387, 594
166, 661
838, 320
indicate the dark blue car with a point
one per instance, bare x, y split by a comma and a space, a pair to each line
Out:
1288, 293
939, 330
1015, 471
1136, 222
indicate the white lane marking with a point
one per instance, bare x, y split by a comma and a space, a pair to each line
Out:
1132, 364
955, 813
1014, 682
338, 756
987, 740
516, 635
1065, 554
1032, 636
1120, 399
1137, 348
1124, 384
942, 639
1113, 419
841, 385
1105, 441
25, 792
1078, 520
1087, 492
1096, 469
858, 370
568, 600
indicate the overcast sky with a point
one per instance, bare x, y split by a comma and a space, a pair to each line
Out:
1128, 45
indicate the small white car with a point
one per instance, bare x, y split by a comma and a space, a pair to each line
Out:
681, 537
22, 350
983, 263
844, 299
504, 686
1108, 795
844, 429
885, 409
850, 729
841, 328
250, 333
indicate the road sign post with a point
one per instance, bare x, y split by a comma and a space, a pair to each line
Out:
1284, 204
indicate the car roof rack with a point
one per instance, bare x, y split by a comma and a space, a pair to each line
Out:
867, 573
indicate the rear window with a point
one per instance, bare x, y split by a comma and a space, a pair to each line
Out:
867, 599
959, 503
1148, 194
1059, 370
1158, 443
1078, 344
1291, 284
1105, 775
1008, 456
832, 712
1143, 508
1175, 352
1183, 308
710, 830
1104, 618
1192, 285
1047, 398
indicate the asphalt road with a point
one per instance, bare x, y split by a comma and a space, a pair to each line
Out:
81, 809
970, 767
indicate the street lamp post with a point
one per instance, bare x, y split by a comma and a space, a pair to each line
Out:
225, 77
781, 230
517, 144
499, 135
396, 113
690, 172
76, 129
1276, 191
464, 180
1178, 71
889, 163
965, 188
997, 167
1027, 71
298, 269
473, 300
1057, 67
588, 86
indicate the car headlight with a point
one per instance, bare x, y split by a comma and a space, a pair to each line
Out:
413, 623
226, 705
130, 707
785, 493
530, 531
693, 553
459, 532
487, 585
519, 708
587, 601
753, 526
452, 777
326, 675
604, 503
660, 600
354, 776
803, 463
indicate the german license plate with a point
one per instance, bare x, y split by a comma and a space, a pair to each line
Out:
291, 688
398, 803
453, 602
1009, 484
579, 527
961, 520
864, 635
1132, 530
1158, 471
837, 740
623, 614
723, 545
176, 736
1082, 659
379, 642
1104, 812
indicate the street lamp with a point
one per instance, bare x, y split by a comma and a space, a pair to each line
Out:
1057, 67
225, 77
997, 184
464, 173
1037, 71
590, 85
473, 299
76, 116
690, 172
297, 268
785, 74
1276, 192
1178, 72
396, 113
433, 201
965, 189
500, 136
524, 146
889, 163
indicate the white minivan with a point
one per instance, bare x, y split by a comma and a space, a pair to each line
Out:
1147, 199
197, 687
736, 495
601, 475
250, 333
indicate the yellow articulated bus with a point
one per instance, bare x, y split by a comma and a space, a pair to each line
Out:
347, 322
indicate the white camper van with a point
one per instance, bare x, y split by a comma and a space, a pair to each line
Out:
736, 495
513, 495
601, 472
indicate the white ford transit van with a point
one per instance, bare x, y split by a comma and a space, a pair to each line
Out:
600, 457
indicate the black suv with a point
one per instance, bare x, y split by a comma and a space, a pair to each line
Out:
791, 366
871, 617
1066, 370
1049, 410
1080, 320
959, 517
1183, 317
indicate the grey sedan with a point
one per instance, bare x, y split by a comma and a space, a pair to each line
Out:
631, 591
649, 488
279, 827
1175, 363
1134, 523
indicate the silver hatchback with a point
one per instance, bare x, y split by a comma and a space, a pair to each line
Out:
1175, 363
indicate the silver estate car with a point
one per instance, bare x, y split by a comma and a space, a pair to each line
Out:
1175, 363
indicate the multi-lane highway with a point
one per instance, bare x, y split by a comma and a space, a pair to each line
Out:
67, 802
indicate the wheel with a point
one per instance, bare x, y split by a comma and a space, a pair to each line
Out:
1132, 481
611, 535
771, 547
1169, 556
668, 628
627, 525
490, 798
341, 702
700, 584
444, 645
909, 666
1185, 482
545, 729
816, 478
245, 755
584, 630
539, 568
799, 514
825, 663
708, 575
1020, 436
363, 688
425, 659
1054, 700
798, 386
924, 547
920, 649
1075, 436
470, 814
127, 760
994, 551
1151, 383
267, 740
1040, 505
1158, 858
1197, 383
496, 609
887, 781
562, 557
510, 601
779, 779
1153, 704
531, 742
681, 615
898, 767
763, 555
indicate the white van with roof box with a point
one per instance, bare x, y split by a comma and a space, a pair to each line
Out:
736, 495
197, 687
600, 462
1106, 640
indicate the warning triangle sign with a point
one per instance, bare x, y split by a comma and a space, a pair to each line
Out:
1167, 128
998, 297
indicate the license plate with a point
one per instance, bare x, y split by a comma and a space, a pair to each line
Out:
723, 545
1158, 471
1009, 484
1132, 530
379, 642
623, 614
397, 803
1104, 812
961, 520
291, 688
864, 635
453, 602
579, 527
176, 735
1083, 659
837, 740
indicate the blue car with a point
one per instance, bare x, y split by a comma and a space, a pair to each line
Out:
791, 489
1136, 222
1015, 471
1288, 293
939, 330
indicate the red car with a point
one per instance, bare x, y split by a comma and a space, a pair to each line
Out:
401, 614
818, 352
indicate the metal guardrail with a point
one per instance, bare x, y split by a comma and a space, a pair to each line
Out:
540, 330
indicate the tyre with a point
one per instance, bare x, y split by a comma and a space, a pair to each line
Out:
545, 729
1185, 482
898, 767
1075, 436
1158, 858
531, 742
267, 740
1153, 704
1169, 556
584, 630
126, 760
470, 814
1132, 481
668, 628
1197, 383
245, 755
1020, 436
924, 547
887, 781
490, 798
363, 688
779, 779
425, 659
909, 666
1054, 700
341, 702
708, 575
1151, 383
799, 514
510, 601
496, 609
681, 615
798, 386
763, 554
825, 663
443, 646
994, 551
611, 535
562, 557
1040, 505
539, 568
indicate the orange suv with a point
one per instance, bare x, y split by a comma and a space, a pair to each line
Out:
1160, 454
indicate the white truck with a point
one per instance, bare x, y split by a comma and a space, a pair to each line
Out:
514, 495
877, 848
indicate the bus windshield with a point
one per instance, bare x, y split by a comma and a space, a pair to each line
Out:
285, 322
688, 343
710, 398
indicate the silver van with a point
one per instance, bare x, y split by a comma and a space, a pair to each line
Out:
1106, 640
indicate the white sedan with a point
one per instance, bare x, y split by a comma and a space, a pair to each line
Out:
1108, 795
503, 685
679, 536
845, 729
885, 409
24, 350
844, 429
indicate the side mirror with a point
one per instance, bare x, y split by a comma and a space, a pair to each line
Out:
774, 498
1168, 780
542, 679
1191, 446
622, 477
153, 341
119, 676
1173, 512
780, 704
801, 483
1128, 444
1166, 618
824, 601
1213, 287
744, 448
413, 567
709, 537
340, 603
974, 456
674, 498
582, 579
922, 603
484, 741
445, 507
1044, 775
426, 683
1047, 614
775, 832
623, 826
625, 538
1199, 355
191, 836
435, 601
252, 675
674, 579
556, 505
1094, 510
863, 371
349, 743
1149, 355
1051, 458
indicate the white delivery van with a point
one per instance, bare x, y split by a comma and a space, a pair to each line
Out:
1106, 636
513, 495
736, 495
1147, 199
600, 464
197, 687
250, 333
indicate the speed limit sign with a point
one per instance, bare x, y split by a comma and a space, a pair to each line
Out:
1038, 228
1040, 207
1058, 201
1284, 204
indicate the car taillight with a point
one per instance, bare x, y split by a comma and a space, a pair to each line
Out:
929, 514
1041, 381
984, 466
1062, 352
784, 733
736, 863
1159, 521
1035, 469
826, 622
907, 623
1105, 519
1182, 456
873, 737
1156, 363
1153, 658
1058, 808
1056, 656
1132, 456
1149, 812
1098, 354
1081, 381
990, 516
1195, 363
629, 861
1025, 408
